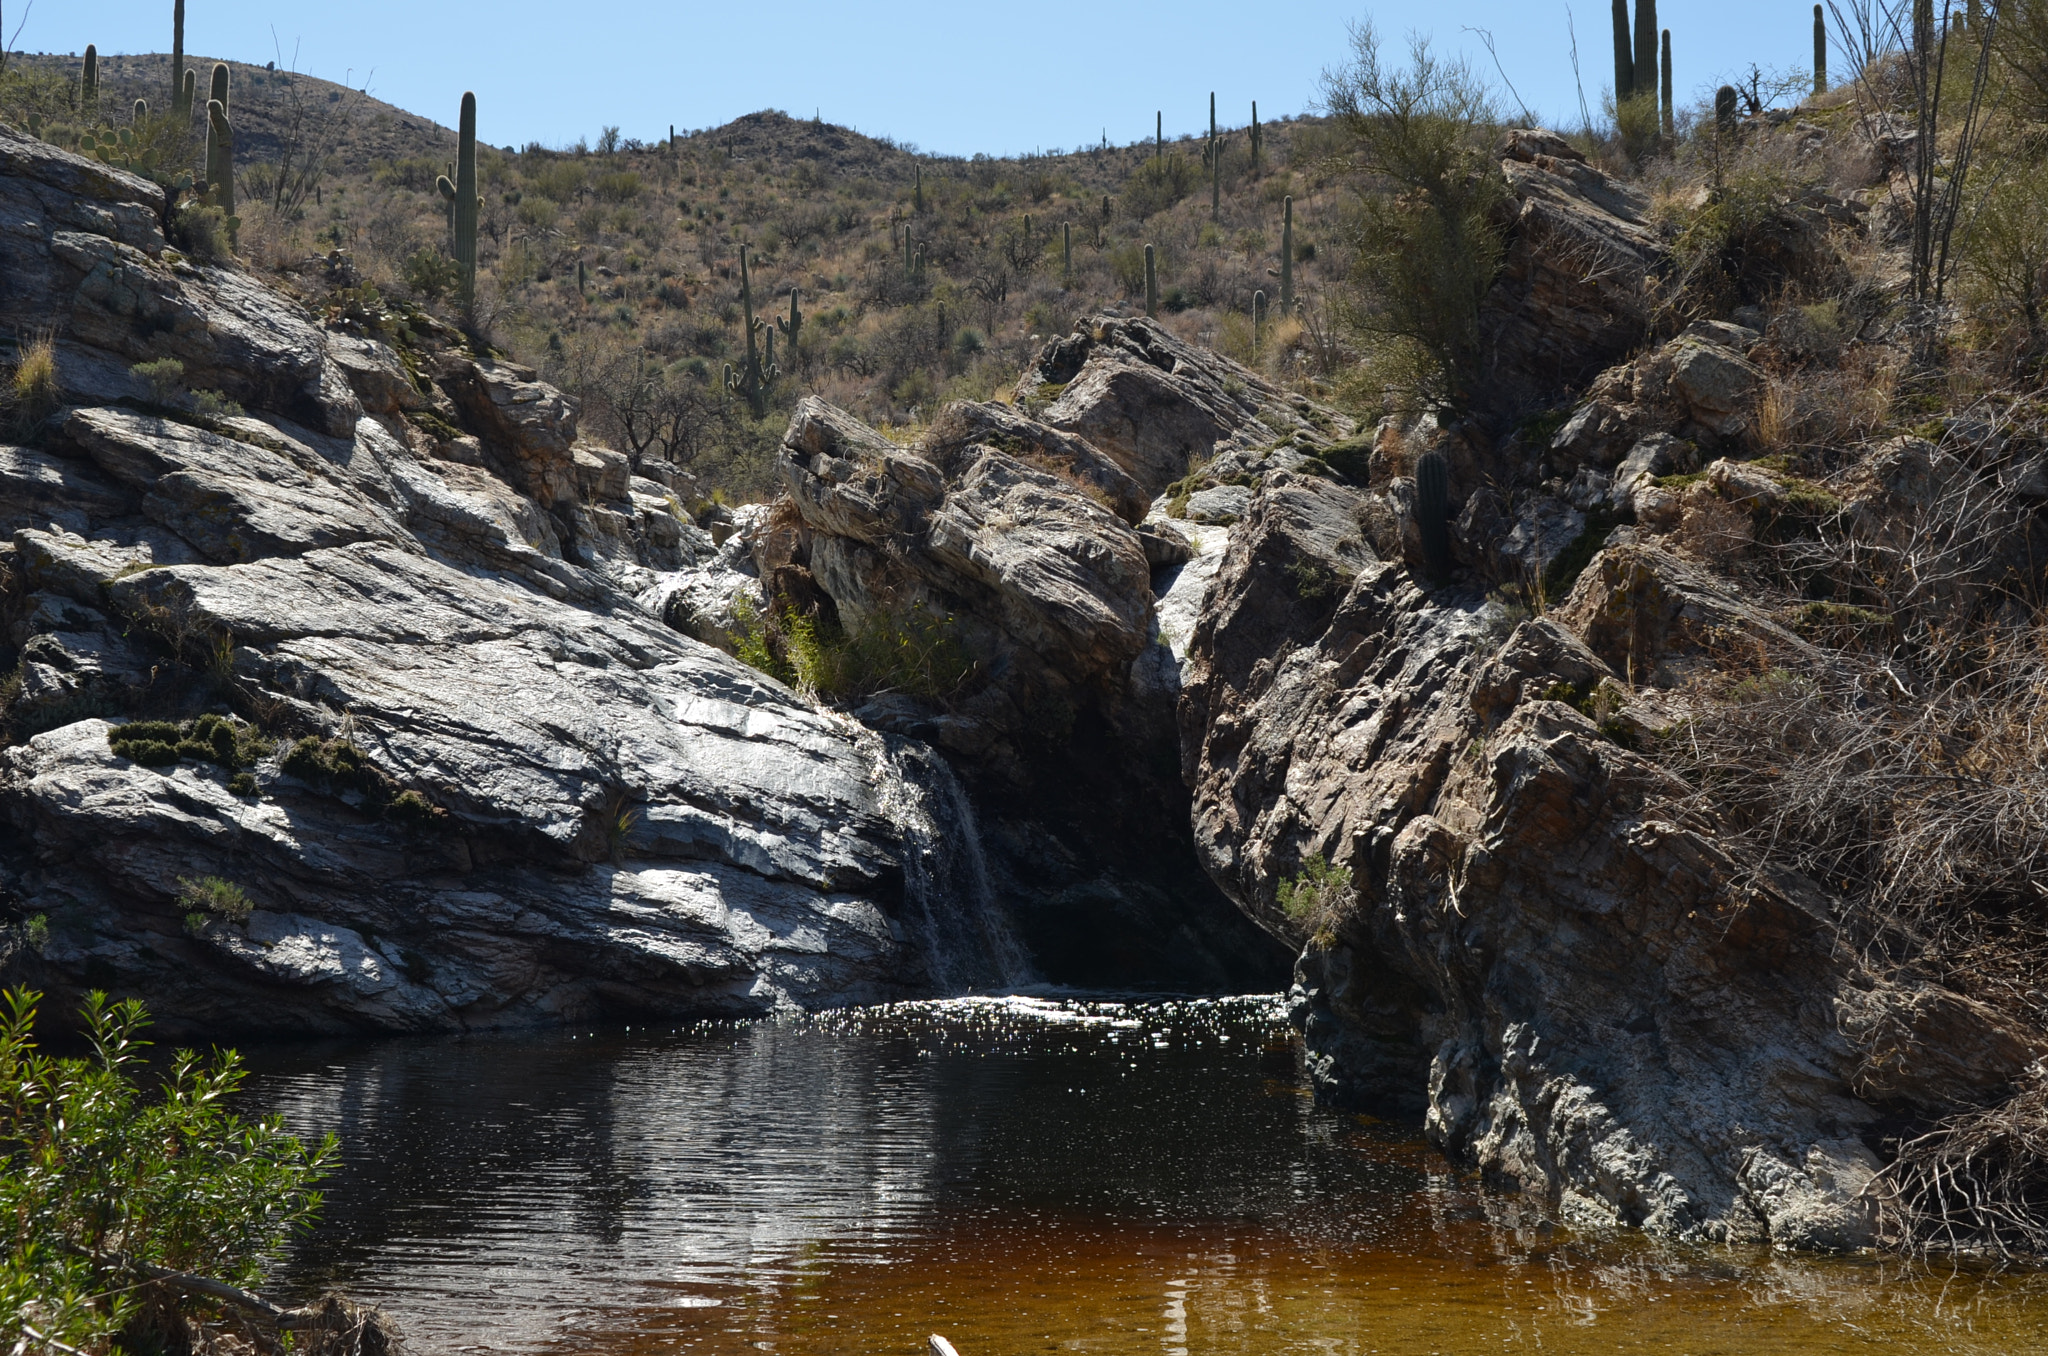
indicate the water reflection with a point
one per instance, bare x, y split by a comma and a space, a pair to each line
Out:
1024, 1176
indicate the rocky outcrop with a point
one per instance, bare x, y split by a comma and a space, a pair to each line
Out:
1018, 546
1541, 948
1571, 295
468, 781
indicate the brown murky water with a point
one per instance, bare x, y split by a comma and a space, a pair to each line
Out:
1024, 1176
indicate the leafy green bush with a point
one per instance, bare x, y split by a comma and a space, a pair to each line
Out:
203, 231
1425, 252
1318, 898
105, 1190
165, 377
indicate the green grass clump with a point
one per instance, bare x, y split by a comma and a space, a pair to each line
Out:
217, 896
913, 650
220, 740
338, 768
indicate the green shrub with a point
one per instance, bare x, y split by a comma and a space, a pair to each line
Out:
203, 231
215, 895
913, 650
1317, 899
1426, 252
214, 405
338, 768
165, 378
99, 1180
35, 930
228, 743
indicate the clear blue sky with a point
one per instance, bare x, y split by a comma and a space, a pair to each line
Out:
953, 79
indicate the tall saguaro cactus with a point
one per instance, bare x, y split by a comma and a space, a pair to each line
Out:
89, 83
917, 189
187, 98
1669, 119
1820, 52
465, 199
1151, 284
1646, 48
1066, 252
1257, 140
220, 158
1624, 55
1287, 257
1159, 135
179, 99
1215, 166
1258, 321
219, 92
752, 381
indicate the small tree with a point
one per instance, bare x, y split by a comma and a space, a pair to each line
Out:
1426, 247
128, 1215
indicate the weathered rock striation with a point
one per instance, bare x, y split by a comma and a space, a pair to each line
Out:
602, 814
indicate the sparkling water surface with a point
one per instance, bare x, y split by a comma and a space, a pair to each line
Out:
1021, 1174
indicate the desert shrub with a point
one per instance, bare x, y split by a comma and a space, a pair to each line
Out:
202, 231
2005, 252
215, 895
1318, 898
220, 740
165, 378
1159, 183
102, 1185
338, 768
1425, 243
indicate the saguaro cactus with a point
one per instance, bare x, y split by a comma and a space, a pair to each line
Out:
219, 92
1159, 136
752, 381
188, 96
180, 99
1820, 52
1257, 141
1433, 511
1258, 321
220, 159
792, 327
463, 198
1287, 258
1669, 120
1151, 284
1724, 108
1646, 48
89, 82
1215, 166
917, 189
140, 112
1624, 55
1066, 252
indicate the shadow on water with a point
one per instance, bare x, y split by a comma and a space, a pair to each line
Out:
1021, 1174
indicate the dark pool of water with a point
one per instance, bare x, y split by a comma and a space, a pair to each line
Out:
1020, 1175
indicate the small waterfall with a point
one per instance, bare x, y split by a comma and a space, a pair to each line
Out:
966, 935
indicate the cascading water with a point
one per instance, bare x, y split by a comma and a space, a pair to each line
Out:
966, 936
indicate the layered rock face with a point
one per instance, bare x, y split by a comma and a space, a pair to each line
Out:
526, 799
1579, 988
1028, 544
